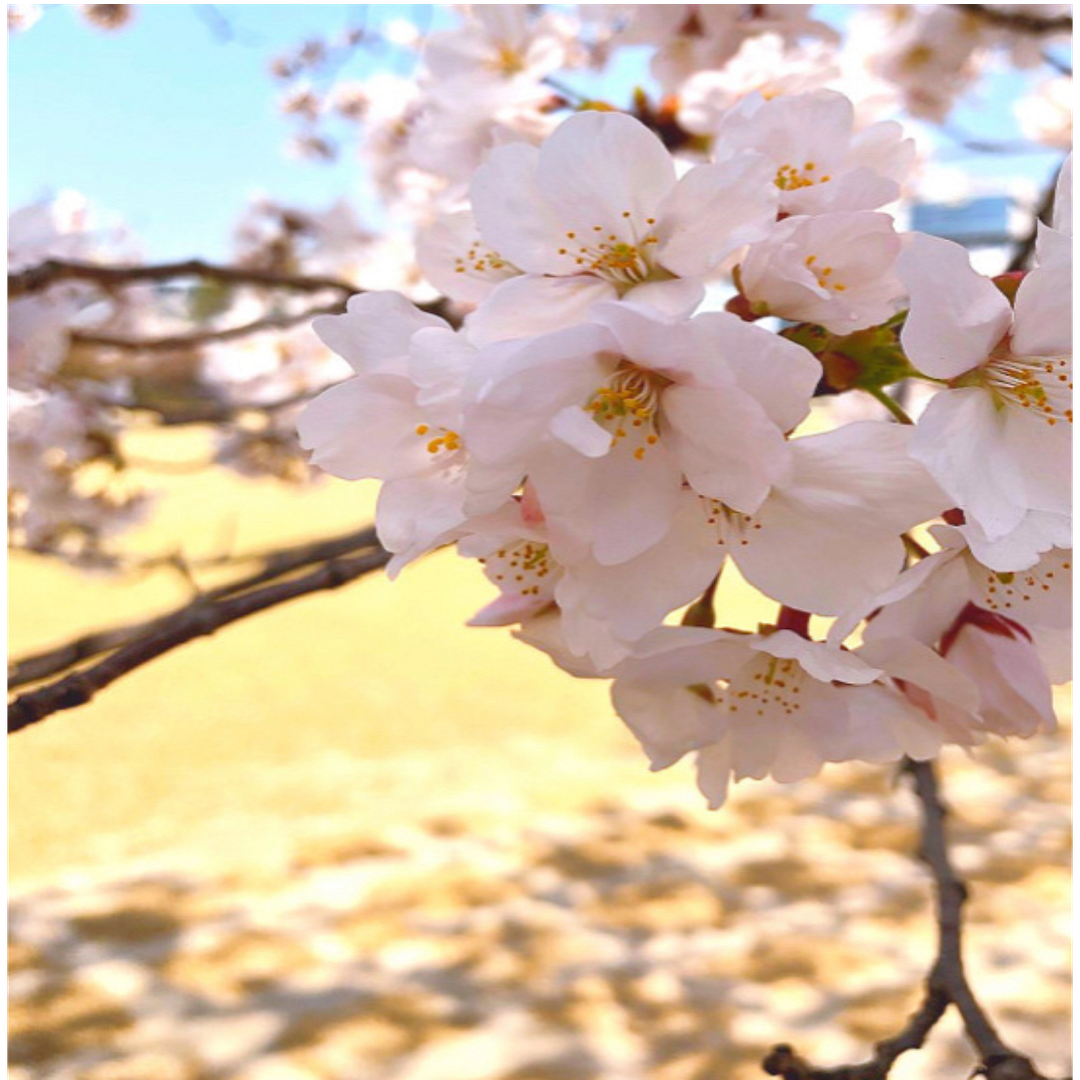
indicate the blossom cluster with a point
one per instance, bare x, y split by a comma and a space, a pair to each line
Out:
602, 439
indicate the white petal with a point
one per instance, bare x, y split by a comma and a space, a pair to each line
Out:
956, 316
726, 445
598, 166
714, 209
960, 440
374, 333
816, 658
527, 306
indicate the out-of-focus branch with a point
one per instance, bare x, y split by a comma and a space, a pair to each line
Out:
198, 619
945, 985
1026, 244
1019, 21
1062, 67
39, 277
205, 337
276, 564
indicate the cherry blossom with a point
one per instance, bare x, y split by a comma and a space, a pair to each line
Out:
598, 208
835, 270
998, 439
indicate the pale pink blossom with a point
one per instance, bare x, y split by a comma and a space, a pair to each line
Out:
835, 270
998, 439
598, 213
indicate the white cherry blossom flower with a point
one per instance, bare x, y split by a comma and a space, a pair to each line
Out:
786, 707
998, 440
835, 270
822, 164
398, 420
599, 208
608, 417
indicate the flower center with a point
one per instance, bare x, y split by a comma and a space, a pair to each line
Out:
628, 407
1041, 385
448, 440
480, 260
766, 685
823, 275
1012, 592
791, 177
732, 527
522, 568
623, 260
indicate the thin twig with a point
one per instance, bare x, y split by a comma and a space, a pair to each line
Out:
196, 620
205, 337
1026, 245
39, 277
945, 985
1017, 20
275, 564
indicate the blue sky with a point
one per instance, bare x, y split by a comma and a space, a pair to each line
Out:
174, 128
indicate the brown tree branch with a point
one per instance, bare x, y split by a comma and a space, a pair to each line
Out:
275, 564
205, 337
199, 619
1026, 244
39, 277
945, 985
1017, 20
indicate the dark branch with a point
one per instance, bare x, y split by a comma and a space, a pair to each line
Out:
39, 277
945, 985
1026, 244
197, 620
1017, 20
275, 564
205, 337
1062, 67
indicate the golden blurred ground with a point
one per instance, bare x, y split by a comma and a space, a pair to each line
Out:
335, 714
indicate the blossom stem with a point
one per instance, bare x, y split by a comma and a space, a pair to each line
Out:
899, 415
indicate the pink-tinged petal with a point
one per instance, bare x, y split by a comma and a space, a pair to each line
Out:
456, 260
861, 188
726, 445
924, 602
886, 726
635, 596
527, 306
810, 564
1043, 457
671, 346
512, 213
817, 658
577, 428
1037, 533
508, 609
597, 166
1055, 649
364, 428
439, 361
918, 664
517, 390
714, 766
713, 210
374, 333
1040, 595
861, 478
668, 723
1043, 321
956, 316
414, 515
1014, 689
617, 504
780, 375
678, 297
960, 440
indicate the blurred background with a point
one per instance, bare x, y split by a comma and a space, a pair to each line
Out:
351, 837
